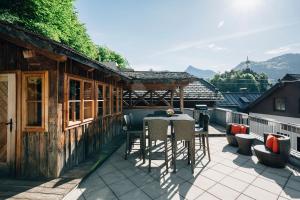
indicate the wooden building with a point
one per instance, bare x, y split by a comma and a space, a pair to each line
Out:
57, 106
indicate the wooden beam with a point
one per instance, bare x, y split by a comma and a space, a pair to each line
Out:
181, 99
172, 98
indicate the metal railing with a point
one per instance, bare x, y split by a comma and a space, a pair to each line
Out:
259, 125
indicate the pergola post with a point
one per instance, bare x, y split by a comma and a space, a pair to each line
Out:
181, 99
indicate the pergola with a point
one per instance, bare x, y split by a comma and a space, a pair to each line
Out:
153, 89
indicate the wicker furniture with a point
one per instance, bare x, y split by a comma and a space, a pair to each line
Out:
158, 130
202, 133
271, 159
132, 133
184, 130
245, 142
231, 137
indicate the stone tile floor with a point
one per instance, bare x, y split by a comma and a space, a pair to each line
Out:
227, 176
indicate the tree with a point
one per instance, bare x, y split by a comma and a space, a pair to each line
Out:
106, 55
55, 19
237, 80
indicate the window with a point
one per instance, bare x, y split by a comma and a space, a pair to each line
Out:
74, 101
107, 99
88, 100
115, 98
80, 101
120, 100
35, 101
100, 100
279, 104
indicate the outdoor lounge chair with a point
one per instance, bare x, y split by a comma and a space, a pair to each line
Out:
267, 157
231, 137
158, 130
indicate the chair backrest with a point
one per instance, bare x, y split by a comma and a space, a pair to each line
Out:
126, 121
205, 122
160, 113
184, 129
201, 120
158, 129
284, 143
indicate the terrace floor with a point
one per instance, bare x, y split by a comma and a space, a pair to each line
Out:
227, 176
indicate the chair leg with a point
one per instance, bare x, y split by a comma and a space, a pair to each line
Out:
166, 156
149, 151
207, 146
192, 156
203, 144
189, 151
126, 145
174, 155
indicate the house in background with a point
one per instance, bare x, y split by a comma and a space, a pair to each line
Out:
281, 102
237, 101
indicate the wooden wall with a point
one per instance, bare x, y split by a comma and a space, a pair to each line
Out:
49, 154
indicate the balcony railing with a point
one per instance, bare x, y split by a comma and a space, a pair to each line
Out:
259, 125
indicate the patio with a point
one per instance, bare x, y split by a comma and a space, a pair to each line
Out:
227, 176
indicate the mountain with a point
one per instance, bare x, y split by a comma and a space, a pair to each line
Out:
275, 67
200, 73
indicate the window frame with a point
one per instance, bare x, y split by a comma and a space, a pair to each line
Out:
103, 85
82, 120
109, 86
92, 100
44, 101
120, 100
284, 101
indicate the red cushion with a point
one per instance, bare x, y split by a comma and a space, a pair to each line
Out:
269, 142
275, 148
243, 129
272, 143
235, 129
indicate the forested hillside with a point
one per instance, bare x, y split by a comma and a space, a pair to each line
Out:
59, 21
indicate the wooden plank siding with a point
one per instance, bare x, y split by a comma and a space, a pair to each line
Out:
49, 154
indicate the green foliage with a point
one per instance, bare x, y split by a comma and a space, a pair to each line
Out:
57, 20
235, 81
106, 55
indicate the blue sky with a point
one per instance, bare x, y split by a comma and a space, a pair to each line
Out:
208, 34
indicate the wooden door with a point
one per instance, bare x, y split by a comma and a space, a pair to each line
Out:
7, 122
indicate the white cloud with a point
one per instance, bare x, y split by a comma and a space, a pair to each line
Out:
221, 23
205, 42
284, 49
214, 47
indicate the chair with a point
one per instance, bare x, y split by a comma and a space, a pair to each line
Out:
132, 132
267, 157
158, 130
202, 133
231, 137
184, 130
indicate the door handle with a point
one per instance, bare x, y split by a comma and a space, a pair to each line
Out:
10, 123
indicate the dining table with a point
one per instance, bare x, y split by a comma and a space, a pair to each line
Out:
171, 119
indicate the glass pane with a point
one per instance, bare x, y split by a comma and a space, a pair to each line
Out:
74, 93
120, 99
74, 111
34, 113
107, 95
115, 100
34, 88
88, 91
88, 109
100, 92
100, 108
